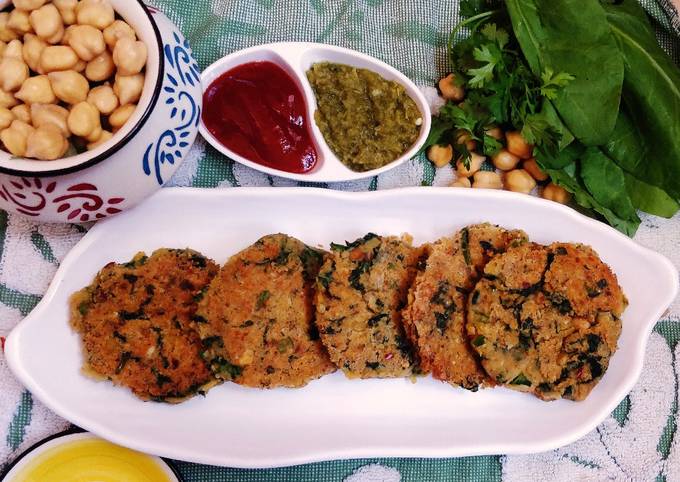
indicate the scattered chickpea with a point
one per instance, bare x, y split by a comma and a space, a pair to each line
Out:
440, 155
105, 136
450, 90
476, 162
28, 5
13, 73
129, 56
58, 57
98, 13
83, 120
464, 137
103, 98
487, 180
461, 182
47, 23
532, 167
32, 51
517, 145
37, 89
6, 117
19, 21
46, 143
128, 88
504, 160
69, 86
7, 99
87, 41
556, 193
121, 115
117, 30
22, 112
100, 68
42, 114
518, 180
495, 132
6, 33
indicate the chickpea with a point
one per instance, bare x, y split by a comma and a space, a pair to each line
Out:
461, 182
15, 136
440, 155
83, 120
6, 117
47, 23
98, 13
532, 167
556, 193
19, 22
105, 136
129, 56
3, 47
121, 115
6, 33
13, 73
7, 99
464, 137
517, 145
68, 32
46, 143
14, 49
43, 114
505, 160
37, 89
117, 30
476, 162
450, 90
495, 132
67, 10
69, 86
32, 50
80, 66
87, 41
128, 88
28, 5
487, 180
100, 68
95, 135
103, 98
22, 112
518, 180
58, 57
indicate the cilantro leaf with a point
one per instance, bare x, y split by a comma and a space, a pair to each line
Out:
493, 33
553, 82
490, 56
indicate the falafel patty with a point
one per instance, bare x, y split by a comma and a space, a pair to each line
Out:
135, 324
361, 290
256, 318
546, 319
435, 316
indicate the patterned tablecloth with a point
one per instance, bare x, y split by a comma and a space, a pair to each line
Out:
639, 441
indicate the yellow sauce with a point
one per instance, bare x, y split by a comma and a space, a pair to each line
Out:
91, 460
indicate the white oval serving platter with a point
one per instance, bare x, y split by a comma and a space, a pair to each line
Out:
296, 58
332, 417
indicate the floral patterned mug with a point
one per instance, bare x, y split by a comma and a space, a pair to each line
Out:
139, 158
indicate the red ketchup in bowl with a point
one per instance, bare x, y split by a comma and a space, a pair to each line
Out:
258, 111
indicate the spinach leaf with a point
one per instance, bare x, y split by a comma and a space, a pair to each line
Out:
650, 199
573, 36
651, 94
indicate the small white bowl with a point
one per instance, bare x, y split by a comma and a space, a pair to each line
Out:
139, 158
296, 58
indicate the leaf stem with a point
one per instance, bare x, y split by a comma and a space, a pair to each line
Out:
477, 18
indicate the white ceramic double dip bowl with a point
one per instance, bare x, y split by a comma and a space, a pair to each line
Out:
296, 58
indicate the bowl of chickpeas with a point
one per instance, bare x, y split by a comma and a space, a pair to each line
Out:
99, 103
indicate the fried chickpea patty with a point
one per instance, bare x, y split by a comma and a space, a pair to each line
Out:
135, 324
546, 319
361, 290
435, 316
256, 318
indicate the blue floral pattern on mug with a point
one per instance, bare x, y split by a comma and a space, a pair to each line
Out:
181, 71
